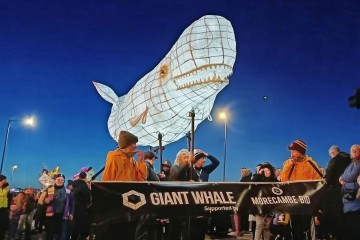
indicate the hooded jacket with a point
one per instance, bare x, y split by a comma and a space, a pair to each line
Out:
303, 170
336, 167
121, 166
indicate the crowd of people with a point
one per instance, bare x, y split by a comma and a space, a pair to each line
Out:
338, 216
64, 211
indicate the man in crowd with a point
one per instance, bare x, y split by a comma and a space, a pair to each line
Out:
246, 174
150, 158
333, 217
204, 171
300, 167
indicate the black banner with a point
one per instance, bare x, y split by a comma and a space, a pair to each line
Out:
126, 201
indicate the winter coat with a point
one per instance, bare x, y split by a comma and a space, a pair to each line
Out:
350, 176
4, 197
82, 195
183, 173
152, 176
121, 166
302, 170
248, 177
82, 202
61, 201
335, 168
261, 177
167, 175
205, 171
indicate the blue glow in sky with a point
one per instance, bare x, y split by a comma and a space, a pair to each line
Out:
304, 56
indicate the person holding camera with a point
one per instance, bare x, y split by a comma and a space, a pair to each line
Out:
348, 180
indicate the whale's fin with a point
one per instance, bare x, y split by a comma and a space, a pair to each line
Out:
106, 92
142, 117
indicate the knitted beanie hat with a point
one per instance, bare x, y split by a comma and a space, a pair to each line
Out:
126, 139
299, 146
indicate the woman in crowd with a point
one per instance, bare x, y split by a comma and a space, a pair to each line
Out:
263, 220
17, 208
183, 227
59, 208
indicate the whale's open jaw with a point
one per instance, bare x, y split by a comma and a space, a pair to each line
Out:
210, 73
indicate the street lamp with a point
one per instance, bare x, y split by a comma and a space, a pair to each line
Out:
30, 121
223, 116
12, 172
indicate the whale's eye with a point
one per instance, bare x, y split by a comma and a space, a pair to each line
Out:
164, 73
164, 70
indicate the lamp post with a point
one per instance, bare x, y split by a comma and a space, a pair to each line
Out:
12, 172
224, 117
27, 121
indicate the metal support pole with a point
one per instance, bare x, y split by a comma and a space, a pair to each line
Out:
188, 136
5, 144
192, 115
225, 130
161, 148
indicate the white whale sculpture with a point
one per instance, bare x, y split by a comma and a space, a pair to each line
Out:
189, 77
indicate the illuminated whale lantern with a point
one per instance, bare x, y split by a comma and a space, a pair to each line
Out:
189, 77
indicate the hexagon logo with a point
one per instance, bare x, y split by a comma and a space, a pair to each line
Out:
133, 199
277, 191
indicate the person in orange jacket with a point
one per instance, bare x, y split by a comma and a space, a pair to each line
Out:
120, 164
300, 167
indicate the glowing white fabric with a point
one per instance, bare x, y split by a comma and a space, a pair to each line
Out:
190, 76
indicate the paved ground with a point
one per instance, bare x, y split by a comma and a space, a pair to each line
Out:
245, 236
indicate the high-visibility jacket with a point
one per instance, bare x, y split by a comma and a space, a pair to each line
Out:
4, 197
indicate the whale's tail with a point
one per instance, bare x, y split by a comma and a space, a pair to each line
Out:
106, 93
